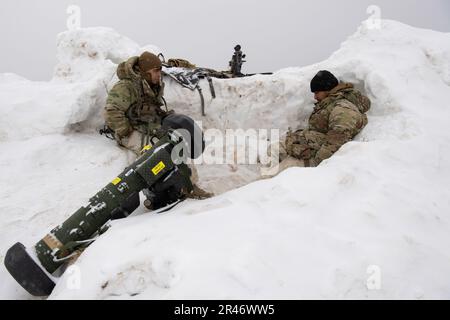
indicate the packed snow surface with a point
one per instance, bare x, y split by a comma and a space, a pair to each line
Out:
372, 222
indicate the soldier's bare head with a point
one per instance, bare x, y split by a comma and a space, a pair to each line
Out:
150, 67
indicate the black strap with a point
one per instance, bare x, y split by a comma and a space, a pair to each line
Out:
165, 103
211, 87
202, 100
108, 132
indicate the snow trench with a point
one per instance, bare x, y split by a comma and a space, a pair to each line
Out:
380, 206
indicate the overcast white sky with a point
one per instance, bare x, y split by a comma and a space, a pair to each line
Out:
273, 34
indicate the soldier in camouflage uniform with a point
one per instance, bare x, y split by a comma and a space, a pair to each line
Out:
338, 116
134, 107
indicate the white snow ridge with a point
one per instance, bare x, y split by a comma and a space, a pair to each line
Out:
371, 222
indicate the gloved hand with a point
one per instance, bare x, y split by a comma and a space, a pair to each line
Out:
167, 113
160, 132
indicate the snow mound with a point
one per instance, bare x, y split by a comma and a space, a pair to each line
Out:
378, 209
73, 100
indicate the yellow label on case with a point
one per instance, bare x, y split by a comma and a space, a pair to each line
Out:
145, 148
156, 169
116, 181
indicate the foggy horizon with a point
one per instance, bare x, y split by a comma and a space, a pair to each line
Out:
272, 35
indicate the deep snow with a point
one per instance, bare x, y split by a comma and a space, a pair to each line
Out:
382, 200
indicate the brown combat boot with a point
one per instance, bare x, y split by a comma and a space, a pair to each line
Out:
199, 194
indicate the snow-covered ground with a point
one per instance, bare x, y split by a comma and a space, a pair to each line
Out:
378, 209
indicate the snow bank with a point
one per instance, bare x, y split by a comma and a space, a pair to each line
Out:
74, 98
380, 203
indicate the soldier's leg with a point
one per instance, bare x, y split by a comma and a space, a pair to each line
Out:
278, 154
132, 142
282, 150
194, 173
304, 144
296, 144
197, 192
289, 162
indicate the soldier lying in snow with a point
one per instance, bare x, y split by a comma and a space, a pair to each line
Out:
338, 116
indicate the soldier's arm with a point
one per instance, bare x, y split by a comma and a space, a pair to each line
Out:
364, 102
161, 94
120, 98
343, 123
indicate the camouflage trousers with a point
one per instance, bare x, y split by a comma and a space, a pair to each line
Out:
302, 148
136, 141
280, 160
308, 145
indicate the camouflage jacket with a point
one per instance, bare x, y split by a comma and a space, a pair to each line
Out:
132, 104
334, 121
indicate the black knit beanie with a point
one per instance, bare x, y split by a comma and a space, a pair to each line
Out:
323, 81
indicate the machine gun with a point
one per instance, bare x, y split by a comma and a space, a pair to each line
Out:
160, 172
237, 61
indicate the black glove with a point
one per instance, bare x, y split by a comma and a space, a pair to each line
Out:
160, 132
166, 113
